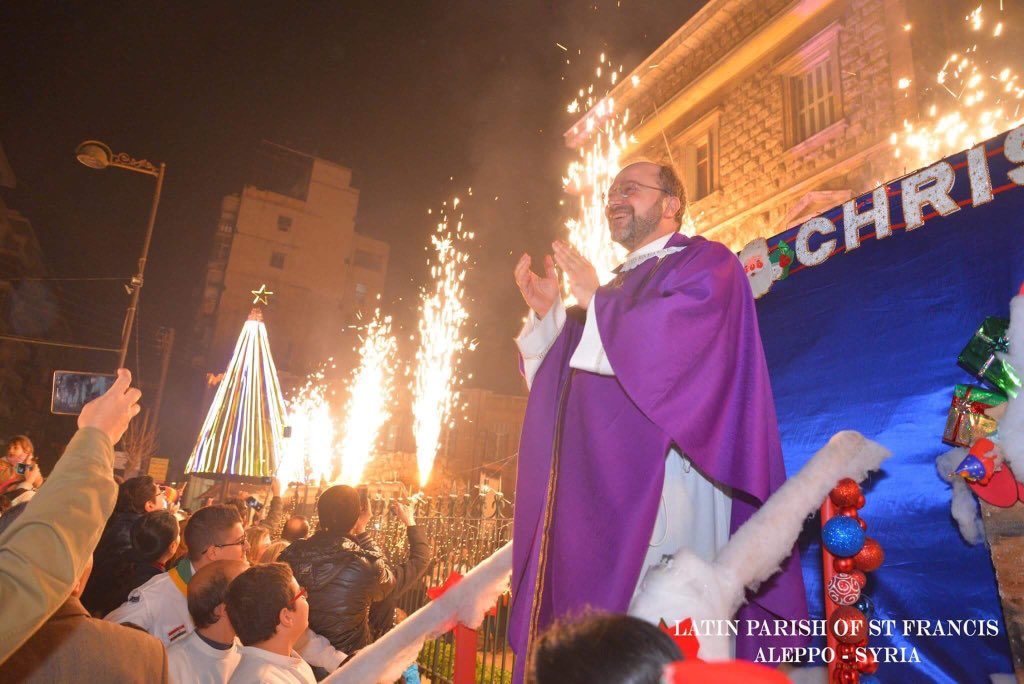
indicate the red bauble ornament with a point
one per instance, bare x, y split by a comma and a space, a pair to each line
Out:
863, 525
860, 501
845, 493
869, 558
868, 665
842, 564
848, 625
861, 578
848, 511
847, 676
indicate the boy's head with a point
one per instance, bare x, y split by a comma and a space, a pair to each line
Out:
265, 601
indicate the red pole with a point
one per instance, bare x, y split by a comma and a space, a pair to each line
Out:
465, 655
828, 510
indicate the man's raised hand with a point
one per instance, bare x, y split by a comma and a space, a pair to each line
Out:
583, 280
113, 410
539, 293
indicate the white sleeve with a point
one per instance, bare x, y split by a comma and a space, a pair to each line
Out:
537, 336
589, 354
135, 610
318, 651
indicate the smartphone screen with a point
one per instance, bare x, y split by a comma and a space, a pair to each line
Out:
364, 498
72, 391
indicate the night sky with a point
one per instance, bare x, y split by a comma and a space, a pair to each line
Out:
420, 99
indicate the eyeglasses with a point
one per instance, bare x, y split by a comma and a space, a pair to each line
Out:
628, 189
302, 594
243, 542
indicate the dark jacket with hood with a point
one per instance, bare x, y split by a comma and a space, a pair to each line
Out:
104, 591
343, 575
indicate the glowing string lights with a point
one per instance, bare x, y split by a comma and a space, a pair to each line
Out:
244, 429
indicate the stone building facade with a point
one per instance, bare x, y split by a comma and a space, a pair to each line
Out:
776, 110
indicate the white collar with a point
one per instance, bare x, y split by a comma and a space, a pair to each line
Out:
651, 249
276, 658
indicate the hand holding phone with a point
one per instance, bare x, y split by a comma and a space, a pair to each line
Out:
112, 412
72, 391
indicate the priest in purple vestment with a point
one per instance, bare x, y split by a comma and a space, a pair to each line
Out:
650, 425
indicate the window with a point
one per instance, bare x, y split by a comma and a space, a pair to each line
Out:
700, 157
277, 260
369, 260
284, 223
223, 250
813, 100
361, 292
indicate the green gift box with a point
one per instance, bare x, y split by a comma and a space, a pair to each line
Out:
980, 360
967, 421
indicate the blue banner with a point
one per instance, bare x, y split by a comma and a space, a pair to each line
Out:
863, 334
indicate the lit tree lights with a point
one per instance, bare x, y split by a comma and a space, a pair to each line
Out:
243, 433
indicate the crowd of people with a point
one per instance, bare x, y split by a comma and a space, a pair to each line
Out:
104, 581
107, 581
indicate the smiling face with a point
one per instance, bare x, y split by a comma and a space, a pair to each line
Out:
636, 205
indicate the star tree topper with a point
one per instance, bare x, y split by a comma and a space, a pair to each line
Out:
260, 295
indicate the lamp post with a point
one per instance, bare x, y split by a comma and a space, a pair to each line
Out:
97, 155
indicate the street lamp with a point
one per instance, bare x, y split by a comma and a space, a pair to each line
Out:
97, 155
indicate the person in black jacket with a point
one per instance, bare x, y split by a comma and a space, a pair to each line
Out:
342, 570
135, 497
407, 574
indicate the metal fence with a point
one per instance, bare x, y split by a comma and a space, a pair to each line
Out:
464, 530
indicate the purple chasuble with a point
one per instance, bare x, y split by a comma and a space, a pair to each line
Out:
681, 334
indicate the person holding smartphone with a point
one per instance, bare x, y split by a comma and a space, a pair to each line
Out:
19, 455
342, 568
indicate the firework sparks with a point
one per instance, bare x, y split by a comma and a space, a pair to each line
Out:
976, 99
310, 451
369, 402
591, 174
442, 318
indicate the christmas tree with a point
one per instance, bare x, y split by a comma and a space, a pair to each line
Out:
243, 433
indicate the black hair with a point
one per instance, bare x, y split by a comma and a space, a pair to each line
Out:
255, 599
338, 509
204, 598
205, 527
133, 494
602, 647
152, 534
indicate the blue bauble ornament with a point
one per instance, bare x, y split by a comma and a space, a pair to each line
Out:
842, 536
864, 605
869, 679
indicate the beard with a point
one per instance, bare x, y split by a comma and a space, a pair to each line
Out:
632, 232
